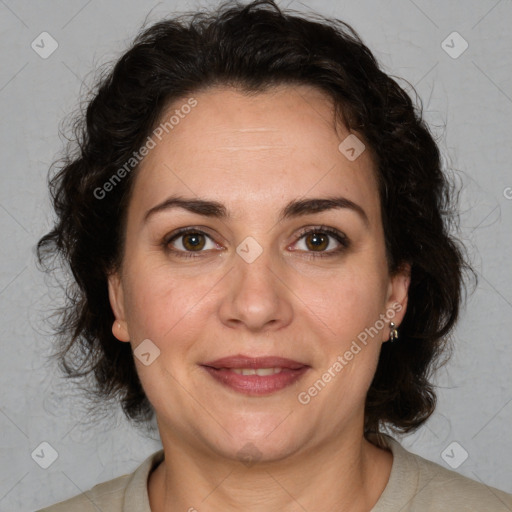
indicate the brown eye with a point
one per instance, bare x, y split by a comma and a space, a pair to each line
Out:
317, 241
193, 241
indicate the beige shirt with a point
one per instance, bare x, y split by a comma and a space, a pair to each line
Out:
415, 485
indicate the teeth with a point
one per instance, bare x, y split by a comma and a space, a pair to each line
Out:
262, 372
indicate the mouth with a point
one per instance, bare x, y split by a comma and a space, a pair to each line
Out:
255, 376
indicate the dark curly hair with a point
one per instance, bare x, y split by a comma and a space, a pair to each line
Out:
253, 47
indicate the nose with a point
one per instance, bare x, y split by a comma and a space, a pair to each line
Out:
256, 298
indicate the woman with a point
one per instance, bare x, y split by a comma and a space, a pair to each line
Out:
257, 223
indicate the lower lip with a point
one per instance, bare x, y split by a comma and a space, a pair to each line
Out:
256, 385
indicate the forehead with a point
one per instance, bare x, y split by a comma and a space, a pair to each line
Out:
244, 150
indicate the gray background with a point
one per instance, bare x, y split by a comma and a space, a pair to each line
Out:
469, 105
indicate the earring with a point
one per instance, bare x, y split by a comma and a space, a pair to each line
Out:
119, 325
393, 335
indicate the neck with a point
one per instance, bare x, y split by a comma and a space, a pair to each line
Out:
349, 474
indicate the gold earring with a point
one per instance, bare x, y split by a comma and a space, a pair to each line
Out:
393, 335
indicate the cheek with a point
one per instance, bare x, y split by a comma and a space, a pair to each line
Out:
350, 310
170, 311
162, 303
347, 300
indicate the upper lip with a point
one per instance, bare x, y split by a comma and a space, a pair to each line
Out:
241, 361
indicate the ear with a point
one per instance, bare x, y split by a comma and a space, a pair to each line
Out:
116, 297
398, 294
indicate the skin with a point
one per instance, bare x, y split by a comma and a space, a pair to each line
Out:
254, 154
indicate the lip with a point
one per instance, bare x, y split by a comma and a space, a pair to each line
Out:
241, 361
255, 385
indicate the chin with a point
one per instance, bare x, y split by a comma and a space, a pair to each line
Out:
255, 437
250, 452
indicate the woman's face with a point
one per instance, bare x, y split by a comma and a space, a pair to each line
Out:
252, 284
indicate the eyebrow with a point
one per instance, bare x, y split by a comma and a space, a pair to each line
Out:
295, 208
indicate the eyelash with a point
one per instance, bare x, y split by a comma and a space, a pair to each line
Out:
337, 235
